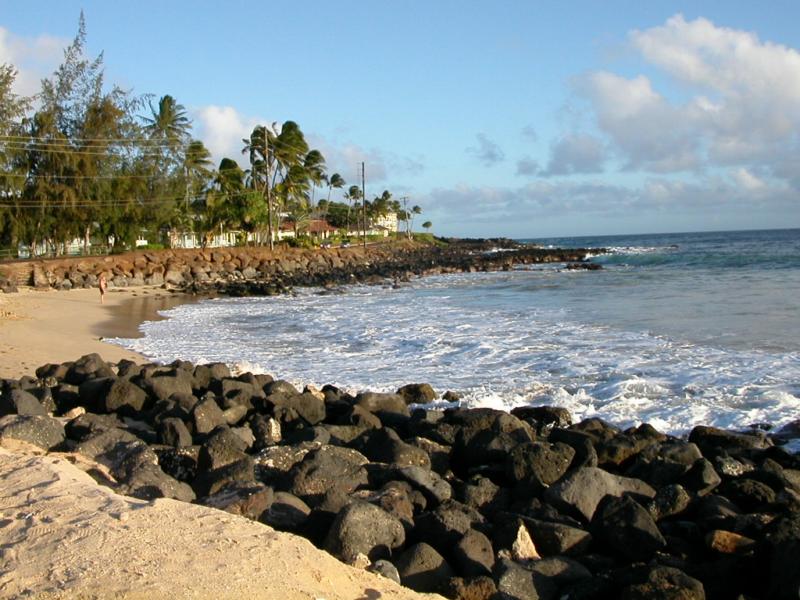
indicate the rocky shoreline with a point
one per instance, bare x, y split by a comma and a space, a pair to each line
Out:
472, 504
258, 271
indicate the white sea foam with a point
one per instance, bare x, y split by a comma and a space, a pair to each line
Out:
472, 334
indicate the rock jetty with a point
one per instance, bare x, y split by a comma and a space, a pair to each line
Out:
472, 504
259, 271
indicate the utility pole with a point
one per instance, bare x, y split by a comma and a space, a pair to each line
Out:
364, 203
267, 188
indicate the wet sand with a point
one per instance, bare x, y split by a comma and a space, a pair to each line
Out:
40, 327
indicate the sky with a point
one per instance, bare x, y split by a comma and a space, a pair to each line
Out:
506, 118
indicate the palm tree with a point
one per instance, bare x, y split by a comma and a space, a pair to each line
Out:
352, 195
427, 225
257, 147
314, 165
415, 210
168, 122
335, 181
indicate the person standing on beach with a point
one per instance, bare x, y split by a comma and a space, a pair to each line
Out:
102, 284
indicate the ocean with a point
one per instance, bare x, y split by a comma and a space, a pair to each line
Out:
676, 330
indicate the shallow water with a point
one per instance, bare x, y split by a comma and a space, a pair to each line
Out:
677, 330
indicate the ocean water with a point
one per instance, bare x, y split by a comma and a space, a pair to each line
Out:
676, 330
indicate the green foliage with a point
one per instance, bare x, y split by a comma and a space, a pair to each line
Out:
98, 163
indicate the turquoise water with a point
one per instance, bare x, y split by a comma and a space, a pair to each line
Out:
676, 330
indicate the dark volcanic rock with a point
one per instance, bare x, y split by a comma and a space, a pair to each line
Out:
473, 554
326, 468
209, 483
286, 513
712, 441
385, 569
363, 528
669, 501
45, 432
627, 528
380, 403
665, 583
417, 393
86, 367
701, 478
446, 524
431, 484
553, 539
536, 465
20, 402
423, 569
207, 416
173, 432
384, 445
582, 490
222, 447
289, 407
515, 582
748, 494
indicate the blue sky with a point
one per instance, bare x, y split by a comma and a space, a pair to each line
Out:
498, 118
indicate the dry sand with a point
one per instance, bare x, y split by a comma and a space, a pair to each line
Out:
64, 536
40, 327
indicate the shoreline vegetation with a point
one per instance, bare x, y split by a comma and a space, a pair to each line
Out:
467, 503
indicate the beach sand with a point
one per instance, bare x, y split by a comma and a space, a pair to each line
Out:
40, 327
64, 536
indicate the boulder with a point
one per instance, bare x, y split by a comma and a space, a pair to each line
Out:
627, 528
417, 393
581, 490
236, 473
222, 447
444, 526
288, 407
665, 583
536, 465
473, 554
20, 402
423, 569
363, 528
384, 445
669, 501
516, 582
379, 403
286, 513
249, 501
42, 431
431, 484
86, 367
206, 416
701, 478
327, 468
712, 440
557, 538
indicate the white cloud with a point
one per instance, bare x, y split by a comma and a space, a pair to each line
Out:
576, 153
34, 58
655, 204
527, 166
222, 129
747, 180
743, 108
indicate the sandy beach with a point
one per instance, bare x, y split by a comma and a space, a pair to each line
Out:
40, 327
